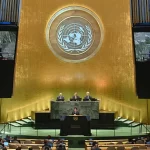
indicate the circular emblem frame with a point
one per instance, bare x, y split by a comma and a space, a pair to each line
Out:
74, 34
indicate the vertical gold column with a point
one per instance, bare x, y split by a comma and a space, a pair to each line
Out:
147, 10
8, 12
16, 11
4, 6
13, 10
144, 11
132, 10
136, 11
4, 3
140, 11
2, 10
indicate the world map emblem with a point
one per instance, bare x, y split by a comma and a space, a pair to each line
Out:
74, 38
74, 34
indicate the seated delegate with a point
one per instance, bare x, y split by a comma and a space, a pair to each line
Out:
88, 97
75, 97
60, 97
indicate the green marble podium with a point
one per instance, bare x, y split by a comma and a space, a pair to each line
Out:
65, 108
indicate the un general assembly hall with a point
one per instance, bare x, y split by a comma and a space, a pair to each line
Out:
74, 74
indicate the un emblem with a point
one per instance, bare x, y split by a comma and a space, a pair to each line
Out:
74, 38
74, 34
75, 118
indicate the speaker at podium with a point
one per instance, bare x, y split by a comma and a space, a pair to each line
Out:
75, 125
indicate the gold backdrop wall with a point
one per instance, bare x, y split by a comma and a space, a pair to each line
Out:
109, 75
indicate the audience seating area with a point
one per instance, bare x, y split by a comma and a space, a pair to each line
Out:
122, 144
116, 144
33, 144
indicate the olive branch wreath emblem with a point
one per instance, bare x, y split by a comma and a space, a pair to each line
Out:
64, 45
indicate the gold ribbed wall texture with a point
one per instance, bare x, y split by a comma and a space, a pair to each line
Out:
109, 75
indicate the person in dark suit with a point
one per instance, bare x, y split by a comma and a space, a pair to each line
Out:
87, 97
75, 97
75, 111
60, 97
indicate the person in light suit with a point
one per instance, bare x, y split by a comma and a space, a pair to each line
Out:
60, 97
75, 97
87, 97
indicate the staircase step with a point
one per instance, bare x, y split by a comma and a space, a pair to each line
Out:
31, 119
122, 120
5, 132
128, 122
117, 119
21, 122
15, 124
134, 124
27, 120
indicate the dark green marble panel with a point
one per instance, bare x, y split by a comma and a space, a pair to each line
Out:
88, 108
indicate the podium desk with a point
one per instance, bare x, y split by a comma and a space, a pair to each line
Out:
75, 125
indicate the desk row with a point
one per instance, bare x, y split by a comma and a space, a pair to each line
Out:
76, 97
